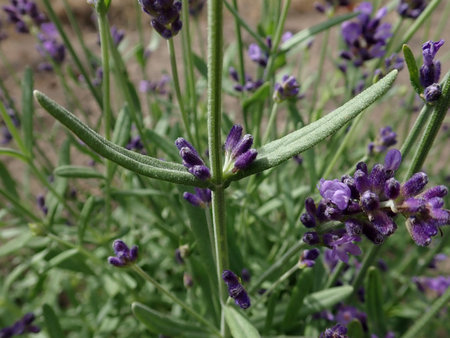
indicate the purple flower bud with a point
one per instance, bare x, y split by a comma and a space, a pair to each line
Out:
200, 171
308, 220
392, 188
245, 274
370, 200
310, 206
411, 9
337, 331
377, 177
235, 289
372, 234
308, 258
244, 160
288, 89
437, 191
244, 144
414, 185
353, 227
392, 160
311, 238
257, 55
124, 256
433, 92
362, 182
188, 282
383, 223
421, 232
234, 75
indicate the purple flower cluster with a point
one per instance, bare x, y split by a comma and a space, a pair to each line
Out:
238, 152
7, 137
430, 71
49, 45
321, 8
157, 87
236, 290
124, 255
346, 313
438, 284
367, 202
288, 89
337, 331
192, 160
385, 139
165, 16
21, 12
117, 35
181, 253
135, 144
201, 198
411, 8
195, 7
40, 199
392, 62
365, 38
249, 86
22, 326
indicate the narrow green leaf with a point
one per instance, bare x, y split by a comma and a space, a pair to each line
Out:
239, 326
52, 324
13, 153
60, 258
374, 302
308, 33
424, 319
168, 147
160, 323
259, 95
355, 329
8, 182
412, 69
12, 129
74, 171
200, 64
280, 150
144, 165
85, 214
324, 299
15, 244
27, 109
122, 128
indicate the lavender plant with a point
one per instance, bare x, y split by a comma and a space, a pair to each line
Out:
186, 153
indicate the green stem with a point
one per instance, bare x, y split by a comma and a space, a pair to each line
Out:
323, 54
240, 44
426, 317
342, 146
443, 22
189, 67
54, 18
276, 40
211, 233
367, 262
272, 118
178, 301
335, 275
176, 82
104, 43
280, 280
411, 139
432, 129
277, 265
214, 107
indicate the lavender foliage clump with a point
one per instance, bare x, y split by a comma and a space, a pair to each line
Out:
165, 16
236, 290
366, 37
124, 256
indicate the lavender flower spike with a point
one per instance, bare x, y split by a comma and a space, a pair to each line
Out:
337, 331
165, 16
238, 152
192, 160
124, 255
430, 71
411, 8
235, 289
22, 326
201, 198
288, 89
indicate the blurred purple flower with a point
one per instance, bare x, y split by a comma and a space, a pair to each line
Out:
124, 255
236, 290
